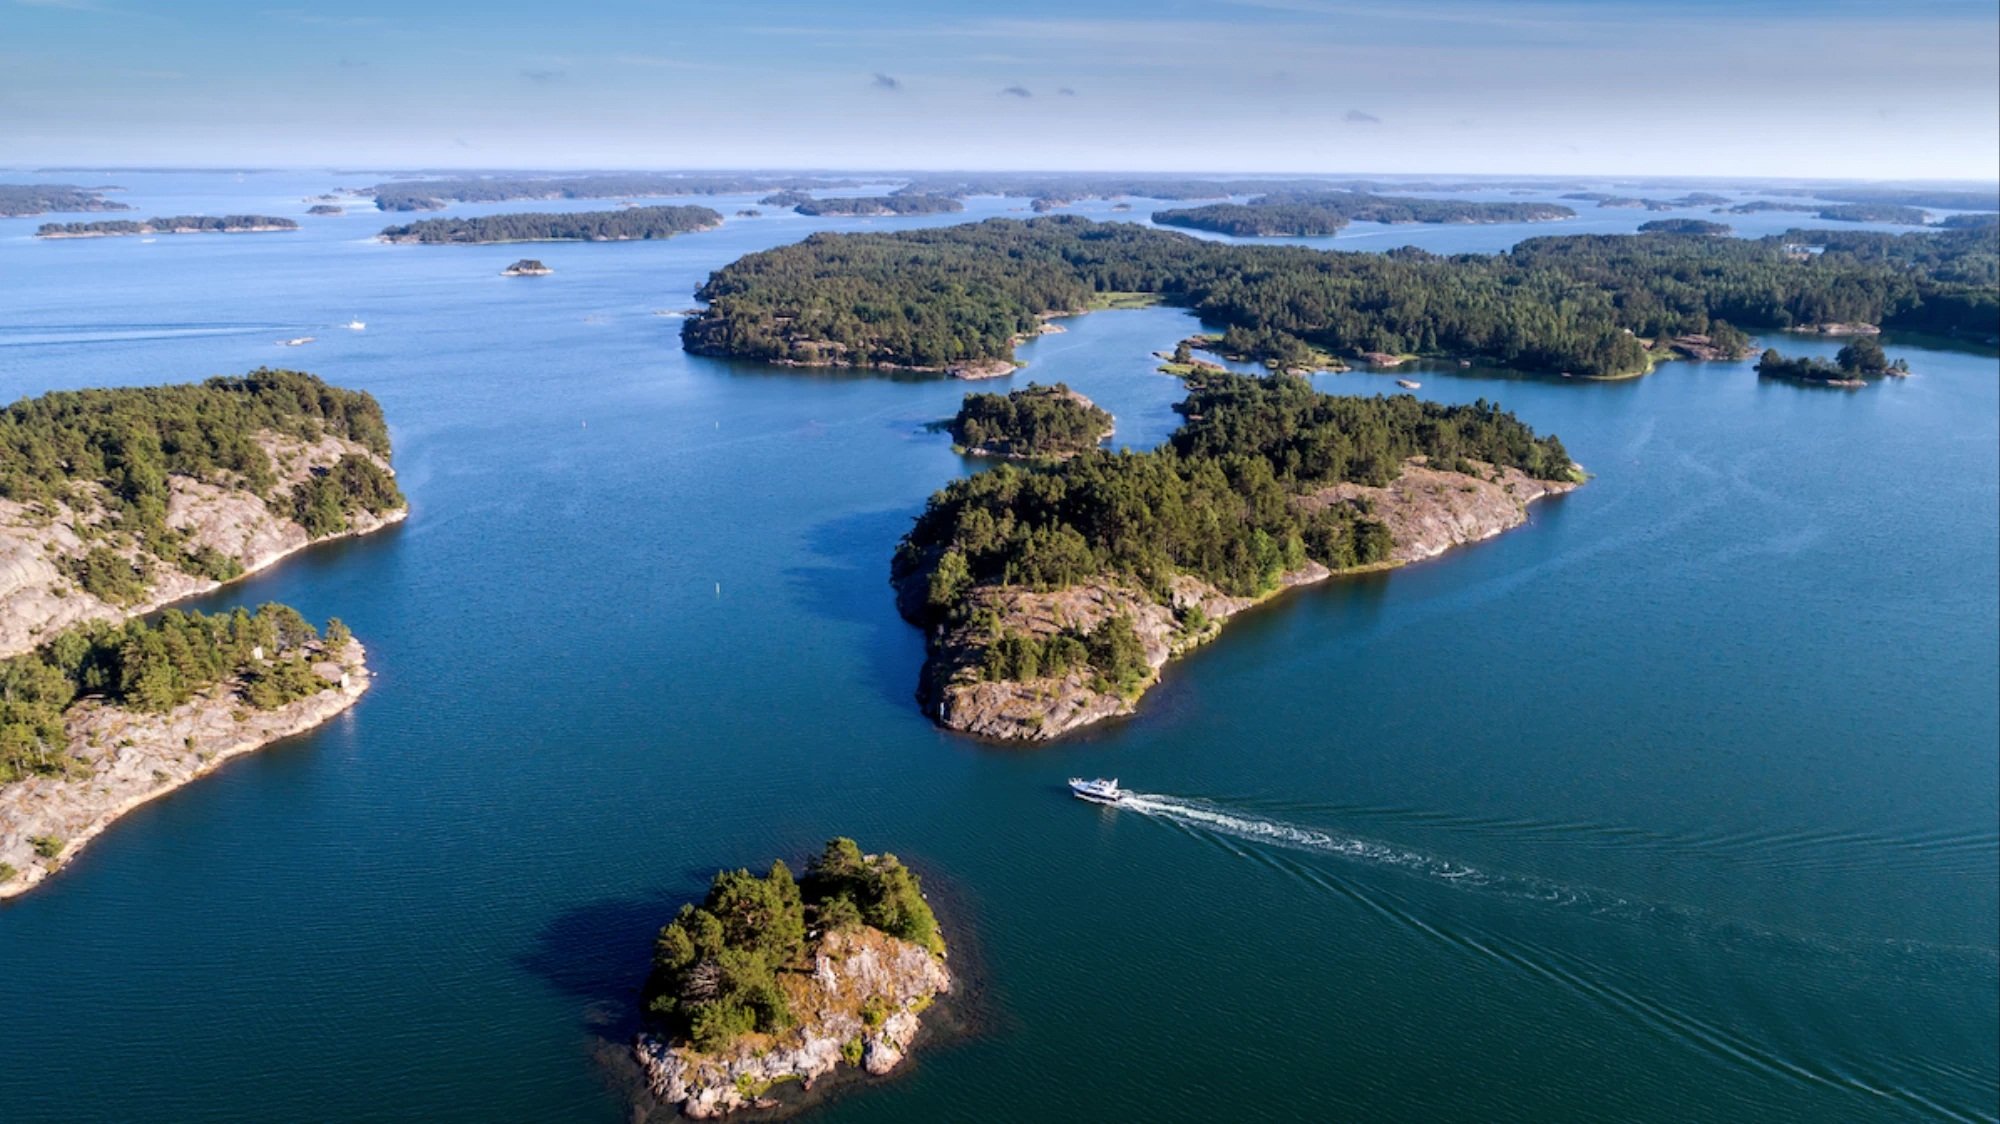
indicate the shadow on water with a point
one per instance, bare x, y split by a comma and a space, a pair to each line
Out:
850, 585
600, 952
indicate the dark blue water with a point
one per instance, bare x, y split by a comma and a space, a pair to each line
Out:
1678, 803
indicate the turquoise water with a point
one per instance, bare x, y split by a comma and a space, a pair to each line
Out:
1678, 803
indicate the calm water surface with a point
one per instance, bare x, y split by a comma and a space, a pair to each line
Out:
1677, 804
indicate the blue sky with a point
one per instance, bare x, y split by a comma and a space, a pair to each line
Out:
1759, 87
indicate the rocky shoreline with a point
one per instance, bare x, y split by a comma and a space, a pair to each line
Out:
130, 757
1428, 511
861, 1004
38, 600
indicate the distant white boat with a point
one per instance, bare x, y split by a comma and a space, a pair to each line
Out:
1099, 791
147, 241
1408, 384
355, 325
297, 341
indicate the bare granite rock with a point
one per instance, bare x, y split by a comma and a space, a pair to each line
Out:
129, 757
38, 600
862, 1001
1427, 511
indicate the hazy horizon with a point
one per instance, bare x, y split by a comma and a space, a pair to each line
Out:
1682, 88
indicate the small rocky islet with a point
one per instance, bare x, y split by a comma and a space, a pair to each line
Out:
772, 983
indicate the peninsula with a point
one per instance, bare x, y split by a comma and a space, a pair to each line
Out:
116, 502
1318, 214
962, 297
175, 224
628, 225
104, 717
1035, 423
17, 199
772, 981
1050, 597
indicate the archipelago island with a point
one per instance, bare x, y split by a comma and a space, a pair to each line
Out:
114, 503
628, 225
771, 983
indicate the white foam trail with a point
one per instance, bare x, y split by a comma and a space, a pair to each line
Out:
1273, 831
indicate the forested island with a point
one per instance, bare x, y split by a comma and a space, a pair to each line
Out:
527, 267
1317, 214
876, 205
772, 981
786, 198
175, 224
1037, 422
115, 502
1685, 226
102, 717
435, 195
17, 199
1585, 304
1852, 366
326, 209
1052, 595
1060, 189
630, 224
1875, 212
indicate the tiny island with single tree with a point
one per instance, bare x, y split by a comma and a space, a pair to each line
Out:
772, 983
1035, 423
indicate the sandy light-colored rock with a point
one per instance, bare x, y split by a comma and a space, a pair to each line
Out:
854, 970
37, 600
1428, 511
128, 757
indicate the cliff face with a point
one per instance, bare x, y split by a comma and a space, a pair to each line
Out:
861, 1004
1427, 511
38, 600
130, 757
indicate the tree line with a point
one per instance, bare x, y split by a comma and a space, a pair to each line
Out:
898, 204
40, 198
175, 224
631, 223
1576, 303
435, 195
1318, 214
153, 666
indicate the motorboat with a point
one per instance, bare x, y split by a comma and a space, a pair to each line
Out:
1097, 791
1408, 384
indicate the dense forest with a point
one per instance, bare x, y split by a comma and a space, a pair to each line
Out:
1855, 363
881, 205
1577, 303
1217, 501
1317, 214
152, 666
1038, 421
40, 198
131, 441
716, 965
1684, 226
632, 223
175, 224
435, 195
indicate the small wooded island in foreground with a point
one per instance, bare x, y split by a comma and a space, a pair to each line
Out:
1036, 422
1051, 596
771, 981
176, 224
962, 297
630, 224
